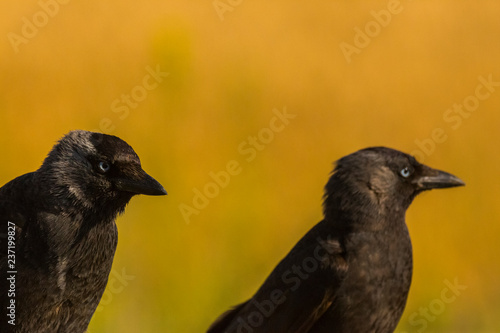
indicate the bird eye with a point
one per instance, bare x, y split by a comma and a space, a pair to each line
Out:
104, 166
405, 172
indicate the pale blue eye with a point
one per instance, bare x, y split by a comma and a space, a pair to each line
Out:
104, 166
405, 172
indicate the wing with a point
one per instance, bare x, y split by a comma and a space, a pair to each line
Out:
225, 319
12, 221
298, 291
13, 214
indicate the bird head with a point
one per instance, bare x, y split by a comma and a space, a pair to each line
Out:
96, 171
382, 179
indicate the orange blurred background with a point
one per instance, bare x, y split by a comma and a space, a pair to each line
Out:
189, 84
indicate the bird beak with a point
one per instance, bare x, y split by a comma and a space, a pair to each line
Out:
140, 183
431, 178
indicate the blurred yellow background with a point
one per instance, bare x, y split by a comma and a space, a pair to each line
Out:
190, 84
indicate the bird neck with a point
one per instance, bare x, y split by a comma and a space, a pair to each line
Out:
347, 205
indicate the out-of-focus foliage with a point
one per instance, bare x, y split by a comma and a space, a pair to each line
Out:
85, 64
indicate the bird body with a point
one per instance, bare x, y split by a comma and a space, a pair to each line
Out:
65, 233
352, 271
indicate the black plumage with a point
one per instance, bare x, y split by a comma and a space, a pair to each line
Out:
352, 271
65, 233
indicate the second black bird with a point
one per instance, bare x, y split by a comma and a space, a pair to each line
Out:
59, 234
352, 271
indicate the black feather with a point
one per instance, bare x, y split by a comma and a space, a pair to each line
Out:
65, 231
352, 271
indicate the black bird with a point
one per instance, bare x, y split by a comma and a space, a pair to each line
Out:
59, 234
352, 271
